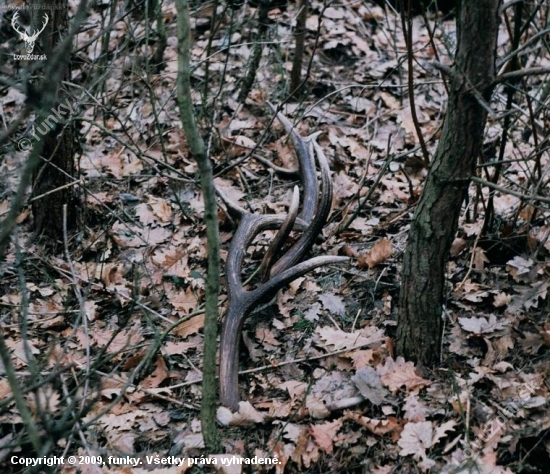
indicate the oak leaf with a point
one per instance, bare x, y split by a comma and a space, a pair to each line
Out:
395, 374
380, 251
192, 326
324, 434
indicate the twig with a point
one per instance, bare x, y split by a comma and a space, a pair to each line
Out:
532, 71
461, 284
521, 196
406, 23
212, 284
282, 364
68, 185
363, 201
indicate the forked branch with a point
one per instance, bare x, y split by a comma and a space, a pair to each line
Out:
311, 219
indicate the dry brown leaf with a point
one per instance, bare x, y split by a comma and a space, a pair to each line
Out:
381, 251
481, 325
144, 214
123, 340
398, 373
470, 291
162, 209
19, 347
345, 340
184, 301
158, 376
265, 335
173, 261
480, 259
334, 304
192, 326
362, 358
501, 299
156, 235
5, 389
414, 408
375, 426
177, 347
312, 313
324, 434
294, 388
520, 268
247, 415
123, 442
90, 307
367, 381
458, 245
416, 438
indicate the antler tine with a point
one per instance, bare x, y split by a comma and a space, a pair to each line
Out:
44, 23
237, 212
282, 234
305, 242
233, 209
14, 24
306, 165
241, 302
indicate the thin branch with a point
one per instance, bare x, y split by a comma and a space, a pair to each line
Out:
523, 197
198, 150
532, 71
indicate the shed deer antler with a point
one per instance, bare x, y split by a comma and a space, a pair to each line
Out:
314, 214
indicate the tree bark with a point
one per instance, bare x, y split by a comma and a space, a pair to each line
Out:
57, 168
419, 329
300, 35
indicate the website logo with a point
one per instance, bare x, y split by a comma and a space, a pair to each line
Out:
30, 37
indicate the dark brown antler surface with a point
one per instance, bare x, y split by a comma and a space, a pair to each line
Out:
314, 214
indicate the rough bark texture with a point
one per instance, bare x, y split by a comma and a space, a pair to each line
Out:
419, 328
300, 34
58, 167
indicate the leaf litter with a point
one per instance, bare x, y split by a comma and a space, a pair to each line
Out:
329, 394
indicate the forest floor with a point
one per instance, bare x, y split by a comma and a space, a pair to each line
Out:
112, 327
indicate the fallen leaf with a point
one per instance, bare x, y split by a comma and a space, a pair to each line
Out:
324, 434
158, 376
414, 408
184, 301
376, 426
345, 340
481, 325
332, 303
247, 415
520, 268
367, 380
398, 373
192, 326
380, 251
416, 438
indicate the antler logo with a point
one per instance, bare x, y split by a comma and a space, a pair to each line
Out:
30, 38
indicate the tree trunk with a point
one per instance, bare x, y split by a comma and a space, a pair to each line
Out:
57, 168
419, 329
300, 35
